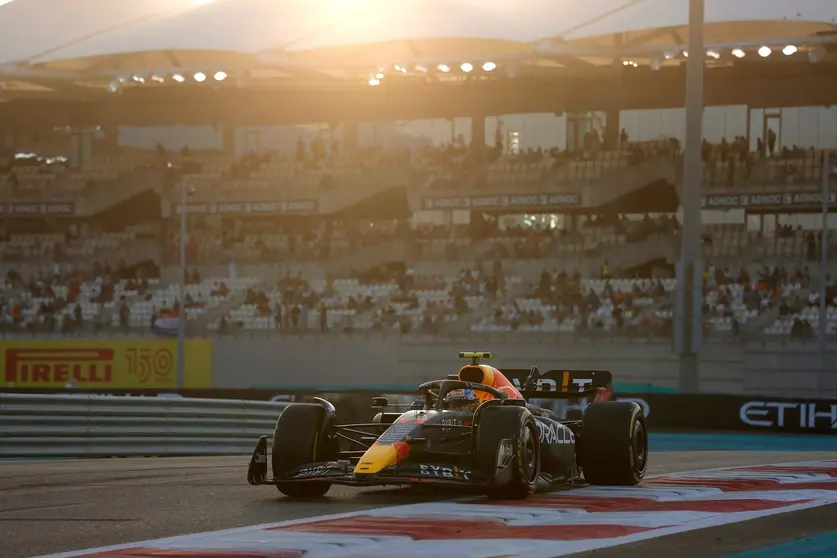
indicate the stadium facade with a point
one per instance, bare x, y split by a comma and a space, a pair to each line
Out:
584, 102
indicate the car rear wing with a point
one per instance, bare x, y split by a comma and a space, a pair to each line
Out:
560, 384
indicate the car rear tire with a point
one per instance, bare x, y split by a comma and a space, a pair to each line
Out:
520, 478
296, 442
614, 443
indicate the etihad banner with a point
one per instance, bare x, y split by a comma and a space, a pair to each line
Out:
104, 364
296, 207
45, 209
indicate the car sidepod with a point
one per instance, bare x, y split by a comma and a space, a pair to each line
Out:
558, 449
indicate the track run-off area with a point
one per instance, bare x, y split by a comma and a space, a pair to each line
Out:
60, 506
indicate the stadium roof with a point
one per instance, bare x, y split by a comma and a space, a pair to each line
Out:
93, 42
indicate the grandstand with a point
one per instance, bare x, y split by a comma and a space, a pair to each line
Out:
569, 230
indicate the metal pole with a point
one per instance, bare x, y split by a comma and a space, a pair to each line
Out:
181, 318
826, 192
690, 200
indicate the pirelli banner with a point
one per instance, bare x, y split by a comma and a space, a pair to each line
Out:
104, 364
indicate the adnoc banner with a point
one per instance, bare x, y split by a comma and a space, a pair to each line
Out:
510, 202
44, 209
777, 200
298, 207
104, 364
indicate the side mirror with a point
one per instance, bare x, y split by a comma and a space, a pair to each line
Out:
380, 402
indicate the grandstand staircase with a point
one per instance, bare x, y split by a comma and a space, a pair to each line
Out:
615, 185
214, 314
633, 254
136, 251
755, 326
128, 185
351, 191
486, 310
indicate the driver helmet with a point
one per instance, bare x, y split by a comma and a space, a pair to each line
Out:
461, 399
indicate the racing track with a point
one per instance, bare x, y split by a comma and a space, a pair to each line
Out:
53, 506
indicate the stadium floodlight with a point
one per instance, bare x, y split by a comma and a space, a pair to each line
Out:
738, 53
816, 54
466, 67
138, 79
489, 67
765, 51
158, 79
713, 54
373, 82
444, 68
670, 55
220, 76
379, 75
113, 87
178, 78
685, 54
789, 50
200, 77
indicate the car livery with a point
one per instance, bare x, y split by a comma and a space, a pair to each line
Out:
476, 428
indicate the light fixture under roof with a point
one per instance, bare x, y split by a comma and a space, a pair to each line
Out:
466, 67
373, 82
789, 50
178, 78
489, 67
765, 51
713, 54
220, 76
200, 77
738, 53
444, 68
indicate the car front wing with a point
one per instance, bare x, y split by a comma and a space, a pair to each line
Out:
342, 472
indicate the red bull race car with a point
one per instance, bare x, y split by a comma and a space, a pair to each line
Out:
477, 428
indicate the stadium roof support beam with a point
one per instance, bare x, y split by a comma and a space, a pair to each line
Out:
641, 40
688, 321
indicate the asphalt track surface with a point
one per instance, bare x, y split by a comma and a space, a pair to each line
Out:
54, 506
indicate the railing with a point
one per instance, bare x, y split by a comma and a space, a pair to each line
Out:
108, 426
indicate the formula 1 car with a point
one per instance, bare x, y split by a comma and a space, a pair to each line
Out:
476, 428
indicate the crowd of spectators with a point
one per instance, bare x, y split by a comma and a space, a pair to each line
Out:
71, 294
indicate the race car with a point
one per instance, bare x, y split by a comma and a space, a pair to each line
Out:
477, 428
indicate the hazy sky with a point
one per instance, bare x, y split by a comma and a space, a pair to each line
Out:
54, 29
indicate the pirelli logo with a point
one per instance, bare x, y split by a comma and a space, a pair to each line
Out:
59, 365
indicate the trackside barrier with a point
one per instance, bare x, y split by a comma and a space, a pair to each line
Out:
104, 426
